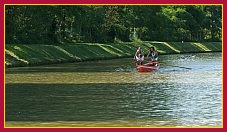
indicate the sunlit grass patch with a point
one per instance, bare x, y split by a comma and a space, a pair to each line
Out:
202, 46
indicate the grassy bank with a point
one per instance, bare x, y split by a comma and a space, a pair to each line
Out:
26, 55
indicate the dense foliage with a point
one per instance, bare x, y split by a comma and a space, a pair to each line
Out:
51, 24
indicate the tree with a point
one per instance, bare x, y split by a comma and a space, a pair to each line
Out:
113, 23
213, 21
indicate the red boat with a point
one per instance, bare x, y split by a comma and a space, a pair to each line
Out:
148, 67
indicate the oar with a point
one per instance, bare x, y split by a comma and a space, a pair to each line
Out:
177, 66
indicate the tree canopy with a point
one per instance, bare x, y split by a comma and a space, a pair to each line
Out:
50, 24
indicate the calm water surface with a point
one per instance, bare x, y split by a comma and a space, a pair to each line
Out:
111, 93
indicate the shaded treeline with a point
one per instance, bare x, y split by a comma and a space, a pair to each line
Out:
48, 24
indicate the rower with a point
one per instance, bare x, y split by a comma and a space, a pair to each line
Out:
153, 56
139, 56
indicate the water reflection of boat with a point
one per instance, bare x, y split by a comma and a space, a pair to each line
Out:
147, 67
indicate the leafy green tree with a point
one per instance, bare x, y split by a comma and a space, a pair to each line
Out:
213, 22
51, 24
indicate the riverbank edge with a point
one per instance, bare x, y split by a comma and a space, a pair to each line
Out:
18, 55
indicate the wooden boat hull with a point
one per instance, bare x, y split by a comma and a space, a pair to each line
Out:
148, 67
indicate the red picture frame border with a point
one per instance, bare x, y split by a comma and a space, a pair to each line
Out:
170, 2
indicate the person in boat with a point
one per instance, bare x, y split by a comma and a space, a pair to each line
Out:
153, 55
139, 56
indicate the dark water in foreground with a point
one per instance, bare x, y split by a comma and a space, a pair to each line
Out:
111, 93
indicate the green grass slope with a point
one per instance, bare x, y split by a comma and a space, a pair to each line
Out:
27, 55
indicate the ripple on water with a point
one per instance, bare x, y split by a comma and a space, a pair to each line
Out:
112, 94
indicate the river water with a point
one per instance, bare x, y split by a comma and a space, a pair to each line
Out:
111, 93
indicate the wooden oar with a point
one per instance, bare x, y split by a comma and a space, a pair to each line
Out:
170, 65
177, 66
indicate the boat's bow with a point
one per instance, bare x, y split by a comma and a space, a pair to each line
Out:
147, 67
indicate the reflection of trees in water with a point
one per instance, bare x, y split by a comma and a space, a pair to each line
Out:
50, 102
